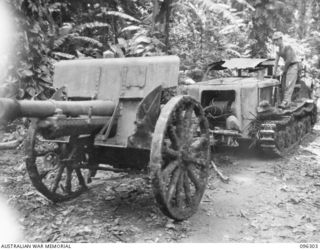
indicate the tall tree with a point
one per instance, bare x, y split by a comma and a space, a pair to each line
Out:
267, 17
161, 19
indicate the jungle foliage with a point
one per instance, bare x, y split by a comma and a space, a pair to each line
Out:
198, 31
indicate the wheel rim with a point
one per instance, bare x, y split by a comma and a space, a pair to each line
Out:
52, 168
180, 154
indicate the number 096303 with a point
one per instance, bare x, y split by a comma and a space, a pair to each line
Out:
309, 246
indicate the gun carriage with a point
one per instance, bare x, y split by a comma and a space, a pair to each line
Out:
107, 115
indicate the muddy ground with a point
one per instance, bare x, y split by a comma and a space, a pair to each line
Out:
264, 201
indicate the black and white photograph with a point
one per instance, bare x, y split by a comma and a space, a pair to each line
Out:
159, 121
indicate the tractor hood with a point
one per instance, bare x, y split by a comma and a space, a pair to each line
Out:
246, 63
241, 63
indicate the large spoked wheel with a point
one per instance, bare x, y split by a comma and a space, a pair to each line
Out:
58, 170
180, 156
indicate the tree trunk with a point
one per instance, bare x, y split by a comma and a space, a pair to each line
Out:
302, 19
167, 24
161, 19
155, 13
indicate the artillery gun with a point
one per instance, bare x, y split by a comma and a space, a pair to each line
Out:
107, 115
243, 110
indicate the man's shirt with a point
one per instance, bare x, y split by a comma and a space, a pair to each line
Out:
288, 55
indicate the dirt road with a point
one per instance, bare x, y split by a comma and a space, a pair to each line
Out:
264, 201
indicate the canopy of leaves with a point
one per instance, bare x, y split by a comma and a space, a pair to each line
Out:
199, 32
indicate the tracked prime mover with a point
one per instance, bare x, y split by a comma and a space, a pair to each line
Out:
243, 110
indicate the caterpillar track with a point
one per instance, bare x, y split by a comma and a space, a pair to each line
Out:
286, 129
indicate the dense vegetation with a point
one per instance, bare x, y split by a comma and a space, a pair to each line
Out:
198, 31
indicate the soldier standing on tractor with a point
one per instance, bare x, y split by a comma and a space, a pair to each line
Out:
290, 71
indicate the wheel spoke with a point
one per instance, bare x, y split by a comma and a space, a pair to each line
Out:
68, 180
193, 178
188, 118
44, 174
186, 187
169, 152
179, 190
172, 134
58, 178
187, 121
199, 144
195, 161
170, 168
179, 123
173, 184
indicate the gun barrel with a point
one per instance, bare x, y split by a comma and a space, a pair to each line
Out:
11, 109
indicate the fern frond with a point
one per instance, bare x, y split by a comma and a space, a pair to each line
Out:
142, 39
233, 53
130, 28
211, 5
93, 25
218, 8
86, 39
121, 15
63, 55
61, 40
228, 29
